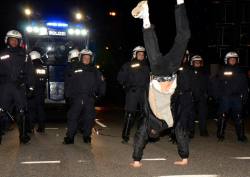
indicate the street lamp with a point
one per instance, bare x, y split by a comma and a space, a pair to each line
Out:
78, 16
27, 11
112, 13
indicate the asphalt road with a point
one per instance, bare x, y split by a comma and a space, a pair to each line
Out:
46, 156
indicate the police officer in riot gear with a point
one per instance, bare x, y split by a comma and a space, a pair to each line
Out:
199, 80
15, 80
36, 101
232, 93
134, 77
73, 63
86, 83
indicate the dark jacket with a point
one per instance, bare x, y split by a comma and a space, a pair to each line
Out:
134, 74
16, 67
84, 80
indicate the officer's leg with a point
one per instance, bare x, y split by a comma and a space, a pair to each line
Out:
239, 120
32, 109
22, 119
193, 115
41, 115
239, 126
5, 102
88, 121
202, 113
22, 126
73, 114
1, 116
129, 118
222, 119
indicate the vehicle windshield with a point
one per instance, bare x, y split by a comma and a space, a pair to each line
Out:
54, 50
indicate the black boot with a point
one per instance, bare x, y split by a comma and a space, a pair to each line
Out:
68, 140
129, 118
221, 127
240, 130
204, 133
22, 125
24, 139
40, 129
87, 139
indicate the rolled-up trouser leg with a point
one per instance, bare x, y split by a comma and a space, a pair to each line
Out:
128, 123
182, 138
221, 126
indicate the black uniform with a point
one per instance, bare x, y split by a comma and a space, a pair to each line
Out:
165, 65
231, 86
36, 101
200, 81
134, 77
15, 79
83, 84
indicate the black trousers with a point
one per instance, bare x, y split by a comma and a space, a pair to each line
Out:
201, 112
165, 65
134, 98
81, 108
14, 96
36, 111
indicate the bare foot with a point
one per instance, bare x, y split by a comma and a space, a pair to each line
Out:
136, 164
181, 162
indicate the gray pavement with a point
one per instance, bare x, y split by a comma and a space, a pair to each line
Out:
46, 156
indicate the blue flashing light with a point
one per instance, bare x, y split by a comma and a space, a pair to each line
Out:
57, 24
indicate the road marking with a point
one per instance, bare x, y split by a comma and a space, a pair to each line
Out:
41, 162
191, 176
154, 159
52, 128
241, 158
82, 161
99, 123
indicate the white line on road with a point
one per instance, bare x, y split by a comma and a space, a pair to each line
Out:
99, 123
191, 176
41, 162
154, 159
241, 158
81, 161
52, 128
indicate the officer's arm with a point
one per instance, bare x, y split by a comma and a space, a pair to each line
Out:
67, 76
244, 87
123, 75
101, 86
30, 71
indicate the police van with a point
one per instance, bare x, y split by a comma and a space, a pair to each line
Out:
54, 39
